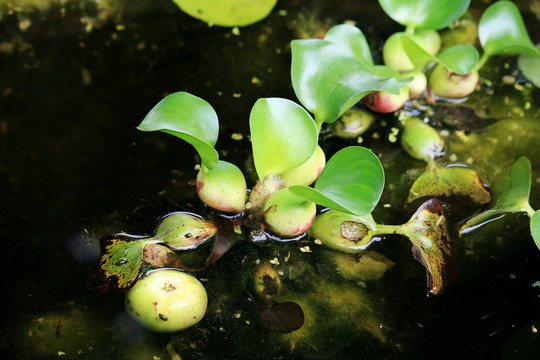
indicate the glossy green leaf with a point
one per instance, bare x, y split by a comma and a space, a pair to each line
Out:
535, 227
351, 38
283, 135
329, 80
501, 31
417, 54
461, 59
352, 182
184, 231
189, 118
510, 194
425, 14
227, 12
530, 66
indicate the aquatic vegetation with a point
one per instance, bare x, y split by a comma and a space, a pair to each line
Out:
227, 12
167, 300
300, 196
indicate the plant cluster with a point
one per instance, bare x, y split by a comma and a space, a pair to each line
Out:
330, 76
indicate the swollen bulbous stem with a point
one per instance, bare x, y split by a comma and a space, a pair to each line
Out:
222, 188
444, 82
418, 85
421, 141
385, 102
288, 215
307, 172
352, 123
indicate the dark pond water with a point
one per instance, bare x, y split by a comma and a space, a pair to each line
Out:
75, 81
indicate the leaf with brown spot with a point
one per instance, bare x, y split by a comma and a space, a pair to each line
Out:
461, 187
184, 231
428, 232
121, 263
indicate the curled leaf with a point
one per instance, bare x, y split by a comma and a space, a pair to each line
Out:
502, 31
511, 193
329, 79
428, 232
352, 181
189, 118
283, 135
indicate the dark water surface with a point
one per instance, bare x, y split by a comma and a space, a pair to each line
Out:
75, 81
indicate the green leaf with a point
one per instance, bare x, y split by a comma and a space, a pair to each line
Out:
184, 231
461, 59
535, 227
418, 56
328, 80
351, 38
227, 12
283, 135
530, 66
425, 14
122, 261
450, 183
189, 118
501, 31
510, 194
352, 182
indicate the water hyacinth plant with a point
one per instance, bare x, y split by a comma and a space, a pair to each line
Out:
299, 191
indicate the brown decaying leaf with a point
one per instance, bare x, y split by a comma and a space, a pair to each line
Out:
428, 232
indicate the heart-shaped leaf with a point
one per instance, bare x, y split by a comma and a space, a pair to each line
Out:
501, 31
283, 135
328, 79
352, 182
189, 118
510, 194
530, 66
227, 12
535, 227
461, 59
425, 14
351, 38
